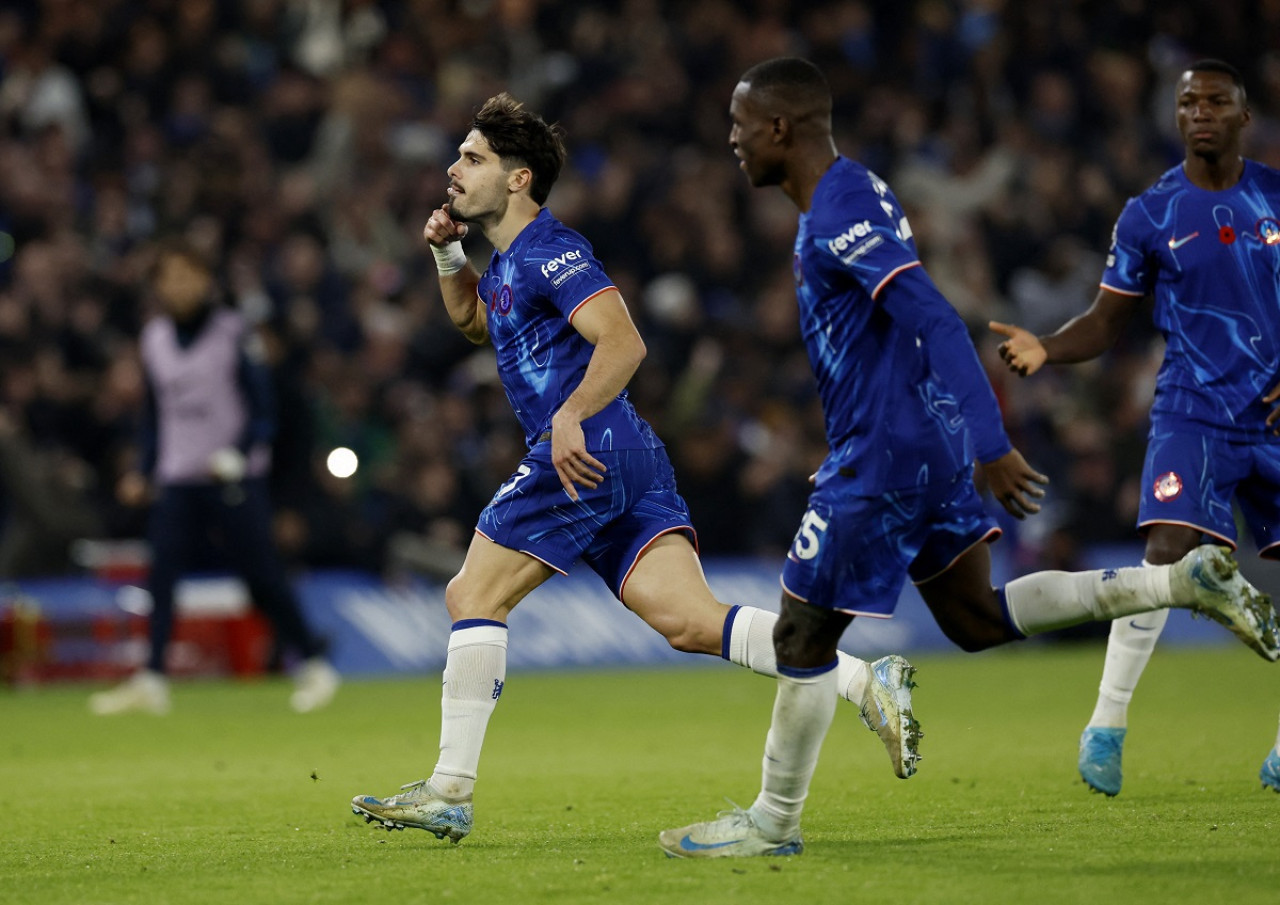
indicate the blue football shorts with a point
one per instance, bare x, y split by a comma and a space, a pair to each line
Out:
609, 526
1189, 479
854, 553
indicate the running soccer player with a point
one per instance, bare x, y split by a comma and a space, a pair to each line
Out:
907, 409
596, 483
1205, 242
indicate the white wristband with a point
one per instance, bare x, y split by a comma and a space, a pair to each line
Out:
449, 259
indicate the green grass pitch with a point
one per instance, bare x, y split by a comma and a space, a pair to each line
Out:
234, 799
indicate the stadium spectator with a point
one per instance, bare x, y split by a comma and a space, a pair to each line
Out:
49, 504
206, 453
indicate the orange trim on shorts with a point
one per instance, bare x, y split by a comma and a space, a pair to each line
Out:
622, 585
527, 553
837, 609
1226, 541
987, 538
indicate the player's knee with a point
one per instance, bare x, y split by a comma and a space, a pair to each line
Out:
802, 644
454, 594
1164, 551
464, 601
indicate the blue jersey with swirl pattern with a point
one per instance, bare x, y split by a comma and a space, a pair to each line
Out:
1211, 260
531, 293
905, 400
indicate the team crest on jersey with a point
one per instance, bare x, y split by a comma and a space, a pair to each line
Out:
1269, 231
500, 301
1168, 487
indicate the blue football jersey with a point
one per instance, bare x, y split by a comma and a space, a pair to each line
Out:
1211, 260
532, 292
905, 400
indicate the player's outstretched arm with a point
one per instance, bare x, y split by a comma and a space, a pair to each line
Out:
1079, 339
458, 279
605, 323
1015, 484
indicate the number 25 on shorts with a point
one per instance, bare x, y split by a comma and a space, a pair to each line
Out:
809, 537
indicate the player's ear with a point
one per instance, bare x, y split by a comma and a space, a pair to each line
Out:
519, 179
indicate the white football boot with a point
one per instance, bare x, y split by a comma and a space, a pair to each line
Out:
144, 691
733, 834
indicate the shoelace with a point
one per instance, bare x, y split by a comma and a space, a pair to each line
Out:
738, 815
402, 794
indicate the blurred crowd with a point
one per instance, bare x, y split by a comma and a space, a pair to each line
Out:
302, 144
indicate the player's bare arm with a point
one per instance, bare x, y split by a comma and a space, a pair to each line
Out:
459, 287
606, 324
1080, 339
1015, 484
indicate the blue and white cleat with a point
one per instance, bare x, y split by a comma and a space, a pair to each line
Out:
886, 710
417, 806
1208, 582
733, 835
1270, 774
1100, 751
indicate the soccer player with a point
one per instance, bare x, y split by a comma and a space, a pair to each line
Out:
1205, 242
596, 482
907, 409
205, 451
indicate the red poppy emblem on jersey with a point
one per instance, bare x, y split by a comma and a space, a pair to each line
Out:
1168, 487
1226, 235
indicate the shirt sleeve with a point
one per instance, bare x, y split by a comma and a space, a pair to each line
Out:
914, 302
568, 273
1128, 271
866, 235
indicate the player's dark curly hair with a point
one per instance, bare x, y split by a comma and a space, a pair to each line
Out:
1211, 65
522, 138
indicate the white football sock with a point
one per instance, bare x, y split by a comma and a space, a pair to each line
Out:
1278, 743
1129, 647
1046, 601
802, 714
474, 672
750, 644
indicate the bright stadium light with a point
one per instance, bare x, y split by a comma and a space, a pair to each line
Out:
342, 462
